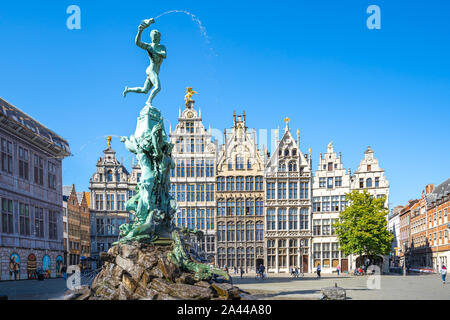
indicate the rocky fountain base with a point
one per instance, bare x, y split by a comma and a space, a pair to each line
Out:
139, 271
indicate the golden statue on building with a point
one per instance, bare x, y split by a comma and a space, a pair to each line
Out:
108, 141
189, 94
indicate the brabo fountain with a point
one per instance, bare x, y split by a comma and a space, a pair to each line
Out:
151, 260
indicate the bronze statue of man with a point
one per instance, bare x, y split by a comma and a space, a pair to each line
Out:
156, 53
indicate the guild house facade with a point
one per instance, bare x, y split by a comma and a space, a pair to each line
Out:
194, 178
253, 208
110, 188
288, 205
240, 199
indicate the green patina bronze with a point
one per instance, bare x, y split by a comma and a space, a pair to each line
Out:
182, 259
153, 206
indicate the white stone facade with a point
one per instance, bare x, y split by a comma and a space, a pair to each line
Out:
288, 206
193, 181
331, 183
110, 188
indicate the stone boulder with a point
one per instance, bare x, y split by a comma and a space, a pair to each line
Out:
333, 293
136, 271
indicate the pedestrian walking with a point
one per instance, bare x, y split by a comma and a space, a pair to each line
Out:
443, 274
242, 272
319, 268
338, 269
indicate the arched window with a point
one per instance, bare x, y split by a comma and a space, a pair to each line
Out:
240, 231
369, 183
259, 231
259, 205
230, 207
230, 258
230, 183
230, 232
221, 257
294, 152
109, 176
220, 208
240, 207
286, 152
240, 257
249, 206
250, 257
221, 232
282, 167
250, 231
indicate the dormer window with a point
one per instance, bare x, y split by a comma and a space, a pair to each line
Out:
109, 176
369, 167
330, 166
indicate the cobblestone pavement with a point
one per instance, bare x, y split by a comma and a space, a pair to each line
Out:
392, 287
49, 289
33, 289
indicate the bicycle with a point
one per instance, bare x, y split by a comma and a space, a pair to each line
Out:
297, 274
261, 276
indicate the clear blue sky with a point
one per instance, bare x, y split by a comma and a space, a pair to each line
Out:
316, 63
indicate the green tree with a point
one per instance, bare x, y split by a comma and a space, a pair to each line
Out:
362, 227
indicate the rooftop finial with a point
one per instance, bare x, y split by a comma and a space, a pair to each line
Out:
108, 141
287, 122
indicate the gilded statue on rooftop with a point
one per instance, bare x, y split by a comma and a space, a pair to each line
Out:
188, 96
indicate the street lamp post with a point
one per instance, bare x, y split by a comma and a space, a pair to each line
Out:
404, 259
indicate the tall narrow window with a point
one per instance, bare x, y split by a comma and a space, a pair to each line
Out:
282, 190
270, 219
24, 219
259, 231
52, 225
7, 165
38, 170
304, 190
39, 222
369, 183
23, 163
51, 177
292, 190
7, 216
304, 219
293, 219
281, 219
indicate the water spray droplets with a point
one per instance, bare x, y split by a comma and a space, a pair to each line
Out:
195, 19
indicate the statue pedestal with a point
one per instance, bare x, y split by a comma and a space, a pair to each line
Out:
148, 118
139, 271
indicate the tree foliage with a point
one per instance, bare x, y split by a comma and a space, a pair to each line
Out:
362, 227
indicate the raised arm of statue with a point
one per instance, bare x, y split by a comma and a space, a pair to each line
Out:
144, 24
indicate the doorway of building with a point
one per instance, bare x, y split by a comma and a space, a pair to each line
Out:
305, 263
344, 265
259, 262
